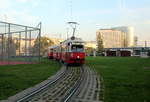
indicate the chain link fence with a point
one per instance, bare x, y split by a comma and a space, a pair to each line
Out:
19, 43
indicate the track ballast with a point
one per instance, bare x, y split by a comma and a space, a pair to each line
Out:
74, 84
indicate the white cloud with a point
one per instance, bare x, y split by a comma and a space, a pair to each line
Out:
20, 17
33, 3
24, 1
24, 16
148, 22
5, 4
121, 4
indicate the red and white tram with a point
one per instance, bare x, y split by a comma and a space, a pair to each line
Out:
70, 51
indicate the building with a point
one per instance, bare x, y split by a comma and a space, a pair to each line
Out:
129, 34
128, 51
25, 45
117, 37
17, 46
56, 40
112, 38
91, 44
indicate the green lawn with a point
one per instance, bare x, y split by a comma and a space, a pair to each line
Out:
14, 78
126, 79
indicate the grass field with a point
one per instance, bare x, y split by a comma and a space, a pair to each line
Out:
126, 79
14, 78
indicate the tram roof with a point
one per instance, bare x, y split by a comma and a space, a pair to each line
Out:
73, 40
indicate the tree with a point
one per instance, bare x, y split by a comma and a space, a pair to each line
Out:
45, 42
13, 46
100, 45
16, 44
9, 46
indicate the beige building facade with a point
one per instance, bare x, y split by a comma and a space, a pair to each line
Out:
129, 34
57, 40
112, 38
91, 44
26, 45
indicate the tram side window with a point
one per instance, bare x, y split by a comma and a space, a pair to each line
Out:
51, 50
77, 48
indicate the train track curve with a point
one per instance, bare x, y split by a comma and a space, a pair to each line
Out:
59, 90
73, 84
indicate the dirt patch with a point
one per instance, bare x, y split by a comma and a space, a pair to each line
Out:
2, 63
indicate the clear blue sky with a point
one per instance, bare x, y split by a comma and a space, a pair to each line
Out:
91, 15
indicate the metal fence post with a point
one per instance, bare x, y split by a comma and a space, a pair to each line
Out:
40, 40
30, 53
2, 54
19, 43
8, 43
25, 41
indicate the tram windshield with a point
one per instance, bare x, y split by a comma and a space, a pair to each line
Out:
77, 48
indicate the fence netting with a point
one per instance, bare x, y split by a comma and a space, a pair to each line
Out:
19, 43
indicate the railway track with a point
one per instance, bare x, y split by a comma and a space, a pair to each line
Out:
89, 90
60, 90
72, 84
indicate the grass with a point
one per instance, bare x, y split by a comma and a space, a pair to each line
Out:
15, 78
126, 79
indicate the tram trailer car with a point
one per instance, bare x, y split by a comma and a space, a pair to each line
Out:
70, 51
55, 52
58, 53
50, 52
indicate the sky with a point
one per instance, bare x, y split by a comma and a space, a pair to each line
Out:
90, 14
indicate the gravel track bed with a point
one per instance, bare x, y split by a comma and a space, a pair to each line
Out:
57, 91
89, 90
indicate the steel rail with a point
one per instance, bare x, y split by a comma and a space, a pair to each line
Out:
75, 88
41, 88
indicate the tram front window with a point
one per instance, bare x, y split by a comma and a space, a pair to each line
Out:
77, 48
